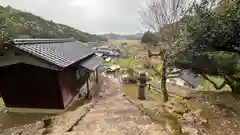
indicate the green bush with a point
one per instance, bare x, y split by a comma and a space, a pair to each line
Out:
180, 100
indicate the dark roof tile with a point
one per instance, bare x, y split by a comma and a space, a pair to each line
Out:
61, 52
191, 78
91, 63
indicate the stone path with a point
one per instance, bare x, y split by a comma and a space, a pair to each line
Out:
114, 115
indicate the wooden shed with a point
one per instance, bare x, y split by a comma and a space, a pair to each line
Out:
44, 73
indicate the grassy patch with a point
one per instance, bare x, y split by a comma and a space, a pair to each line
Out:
129, 42
108, 64
1, 102
124, 63
116, 42
131, 90
153, 108
159, 67
206, 84
217, 80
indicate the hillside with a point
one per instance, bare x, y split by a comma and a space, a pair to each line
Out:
23, 24
112, 36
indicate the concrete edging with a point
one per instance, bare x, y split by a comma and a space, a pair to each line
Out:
68, 126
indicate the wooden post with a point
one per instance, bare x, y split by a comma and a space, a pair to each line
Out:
97, 75
88, 90
149, 87
47, 122
142, 85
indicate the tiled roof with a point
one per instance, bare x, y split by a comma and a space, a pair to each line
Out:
191, 78
91, 63
61, 52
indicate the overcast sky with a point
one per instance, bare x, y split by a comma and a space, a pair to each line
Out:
93, 16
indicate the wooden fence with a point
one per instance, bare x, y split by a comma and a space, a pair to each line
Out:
158, 90
154, 88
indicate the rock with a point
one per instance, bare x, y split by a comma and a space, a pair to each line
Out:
196, 112
202, 121
190, 131
5, 111
41, 131
188, 117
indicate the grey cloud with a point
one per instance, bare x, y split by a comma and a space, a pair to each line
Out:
95, 16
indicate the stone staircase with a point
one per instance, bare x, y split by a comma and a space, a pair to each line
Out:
114, 115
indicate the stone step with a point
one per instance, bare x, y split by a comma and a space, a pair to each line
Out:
114, 105
116, 109
114, 115
91, 123
122, 128
104, 128
138, 119
152, 129
98, 110
84, 132
92, 117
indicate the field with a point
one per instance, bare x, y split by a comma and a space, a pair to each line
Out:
119, 42
123, 63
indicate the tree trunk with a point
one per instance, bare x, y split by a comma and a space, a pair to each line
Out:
163, 81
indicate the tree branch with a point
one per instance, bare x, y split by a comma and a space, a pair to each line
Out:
214, 84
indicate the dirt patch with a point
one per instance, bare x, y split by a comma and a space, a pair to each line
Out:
220, 109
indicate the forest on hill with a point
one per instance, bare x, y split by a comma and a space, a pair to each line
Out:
113, 36
21, 24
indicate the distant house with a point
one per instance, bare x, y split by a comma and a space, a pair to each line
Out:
124, 43
186, 78
194, 80
45, 73
108, 53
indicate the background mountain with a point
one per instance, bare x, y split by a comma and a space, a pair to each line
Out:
23, 24
112, 36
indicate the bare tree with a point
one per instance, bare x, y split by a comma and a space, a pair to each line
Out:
162, 16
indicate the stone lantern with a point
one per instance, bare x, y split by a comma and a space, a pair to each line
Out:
142, 85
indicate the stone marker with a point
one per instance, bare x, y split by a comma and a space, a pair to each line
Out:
142, 85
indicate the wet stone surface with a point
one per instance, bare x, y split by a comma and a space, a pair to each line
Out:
115, 115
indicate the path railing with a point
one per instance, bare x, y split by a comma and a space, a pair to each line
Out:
158, 90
